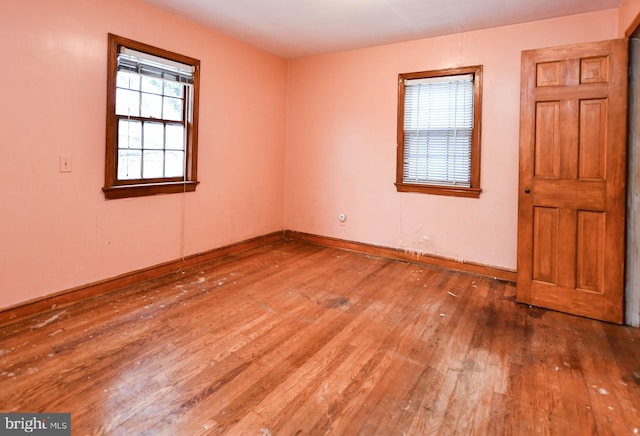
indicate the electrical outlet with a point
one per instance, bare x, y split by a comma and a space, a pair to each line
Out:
65, 164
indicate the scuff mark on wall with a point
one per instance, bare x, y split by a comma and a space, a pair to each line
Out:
418, 243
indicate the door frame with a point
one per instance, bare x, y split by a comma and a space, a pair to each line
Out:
632, 280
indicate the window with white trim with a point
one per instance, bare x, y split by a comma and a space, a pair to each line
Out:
439, 116
152, 107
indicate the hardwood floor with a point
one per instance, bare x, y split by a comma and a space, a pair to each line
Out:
294, 338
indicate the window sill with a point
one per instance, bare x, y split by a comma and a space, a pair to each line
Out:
439, 190
141, 190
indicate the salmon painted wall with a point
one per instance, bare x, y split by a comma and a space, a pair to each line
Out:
56, 229
627, 13
341, 141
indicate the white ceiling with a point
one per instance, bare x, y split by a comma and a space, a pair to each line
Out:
294, 28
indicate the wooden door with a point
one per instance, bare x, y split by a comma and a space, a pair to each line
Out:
571, 210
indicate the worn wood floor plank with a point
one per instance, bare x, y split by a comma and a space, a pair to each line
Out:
294, 338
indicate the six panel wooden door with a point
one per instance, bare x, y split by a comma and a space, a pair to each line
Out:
571, 217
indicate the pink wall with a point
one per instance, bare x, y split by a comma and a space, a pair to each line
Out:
336, 113
56, 229
627, 13
341, 141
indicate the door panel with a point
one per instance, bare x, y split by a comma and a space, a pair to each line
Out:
545, 245
547, 153
589, 271
572, 179
592, 141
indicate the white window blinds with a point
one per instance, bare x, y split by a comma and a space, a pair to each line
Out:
149, 65
438, 126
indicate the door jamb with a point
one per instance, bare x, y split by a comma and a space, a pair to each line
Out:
632, 279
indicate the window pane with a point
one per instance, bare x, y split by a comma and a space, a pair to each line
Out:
172, 109
129, 164
438, 157
153, 136
152, 84
152, 165
128, 80
439, 105
174, 164
438, 126
151, 106
173, 89
174, 137
127, 102
129, 134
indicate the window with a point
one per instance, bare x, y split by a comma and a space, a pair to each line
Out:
439, 132
152, 120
